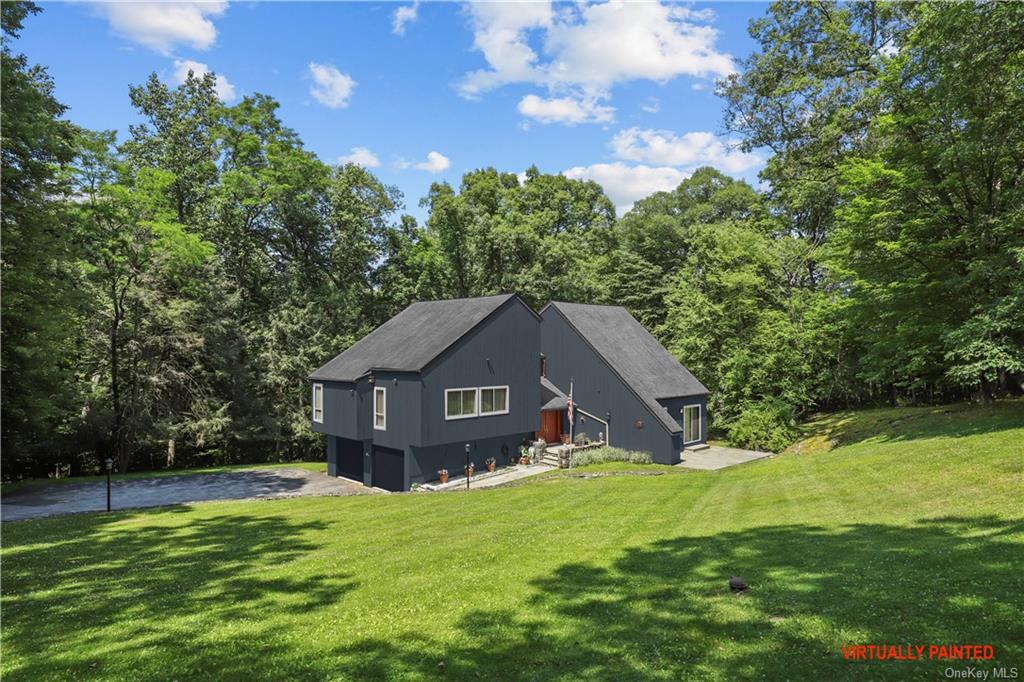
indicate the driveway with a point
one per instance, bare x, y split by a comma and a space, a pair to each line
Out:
70, 498
716, 457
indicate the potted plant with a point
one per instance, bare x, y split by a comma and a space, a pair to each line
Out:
491, 463
443, 475
469, 470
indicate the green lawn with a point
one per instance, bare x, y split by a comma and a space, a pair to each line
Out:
910, 531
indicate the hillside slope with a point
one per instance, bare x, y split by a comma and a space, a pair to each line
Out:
909, 530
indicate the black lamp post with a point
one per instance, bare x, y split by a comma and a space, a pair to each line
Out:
467, 466
110, 465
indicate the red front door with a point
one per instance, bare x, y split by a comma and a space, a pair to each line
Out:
550, 426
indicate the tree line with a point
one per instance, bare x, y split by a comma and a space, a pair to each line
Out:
166, 296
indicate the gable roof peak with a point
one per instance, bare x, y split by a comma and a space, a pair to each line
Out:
413, 338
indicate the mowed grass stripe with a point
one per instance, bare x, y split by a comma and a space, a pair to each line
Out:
911, 529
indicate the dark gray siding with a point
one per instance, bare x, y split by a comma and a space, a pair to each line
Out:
598, 390
675, 410
423, 463
403, 422
340, 408
503, 351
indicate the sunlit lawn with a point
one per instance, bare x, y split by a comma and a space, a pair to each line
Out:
915, 535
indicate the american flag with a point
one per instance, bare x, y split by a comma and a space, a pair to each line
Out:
568, 401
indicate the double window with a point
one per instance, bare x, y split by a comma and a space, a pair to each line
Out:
691, 423
493, 400
462, 403
380, 408
318, 403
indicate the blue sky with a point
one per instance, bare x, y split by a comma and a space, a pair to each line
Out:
419, 92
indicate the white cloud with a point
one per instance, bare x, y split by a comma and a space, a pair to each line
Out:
161, 26
626, 184
435, 163
651, 105
564, 110
618, 41
225, 90
693, 149
405, 14
587, 49
499, 32
361, 156
331, 87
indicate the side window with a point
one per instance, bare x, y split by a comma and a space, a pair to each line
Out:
318, 403
380, 408
460, 403
493, 400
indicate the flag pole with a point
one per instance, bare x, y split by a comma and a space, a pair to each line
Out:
570, 415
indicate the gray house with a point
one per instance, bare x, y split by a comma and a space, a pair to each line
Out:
630, 391
404, 401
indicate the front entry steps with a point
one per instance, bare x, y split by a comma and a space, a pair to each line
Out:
550, 459
696, 448
561, 455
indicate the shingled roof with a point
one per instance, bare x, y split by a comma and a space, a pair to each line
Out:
410, 340
551, 397
635, 355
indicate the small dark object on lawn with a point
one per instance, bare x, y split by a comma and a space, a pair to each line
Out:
737, 585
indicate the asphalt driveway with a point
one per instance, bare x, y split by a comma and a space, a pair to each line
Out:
70, 498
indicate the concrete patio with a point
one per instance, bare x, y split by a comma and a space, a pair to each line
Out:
715, 457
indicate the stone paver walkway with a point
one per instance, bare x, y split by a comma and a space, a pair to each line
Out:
91, 495
490, 480
716, 457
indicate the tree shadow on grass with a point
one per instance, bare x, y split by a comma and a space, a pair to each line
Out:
664, 611
157, 592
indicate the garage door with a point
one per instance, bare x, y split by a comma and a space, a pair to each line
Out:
350, 459
388, 468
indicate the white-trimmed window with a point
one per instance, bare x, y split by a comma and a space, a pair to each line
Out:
380, 408
493, 400
318, 403
460, 403
691, 423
